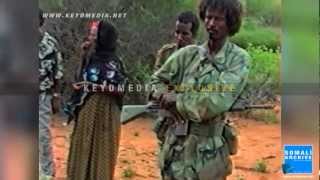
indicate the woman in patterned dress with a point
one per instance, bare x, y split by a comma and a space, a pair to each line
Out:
95, 139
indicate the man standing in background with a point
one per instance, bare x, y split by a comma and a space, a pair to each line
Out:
187, 25
50, 72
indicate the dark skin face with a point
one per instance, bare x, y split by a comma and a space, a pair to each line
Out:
93, 34
216, 26
183, 35
90, 39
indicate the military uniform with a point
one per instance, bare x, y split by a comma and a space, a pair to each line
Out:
163, 54
203, 153
50, 71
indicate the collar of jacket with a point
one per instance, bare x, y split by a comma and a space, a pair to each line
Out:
217, 59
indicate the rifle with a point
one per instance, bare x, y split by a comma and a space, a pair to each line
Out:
130, 112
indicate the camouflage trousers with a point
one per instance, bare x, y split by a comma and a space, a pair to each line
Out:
201, 155
45, 151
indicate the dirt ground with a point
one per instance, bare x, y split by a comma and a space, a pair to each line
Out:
138, 148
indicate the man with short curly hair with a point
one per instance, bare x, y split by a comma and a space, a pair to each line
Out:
198, 145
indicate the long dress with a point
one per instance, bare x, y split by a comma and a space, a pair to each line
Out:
95, 139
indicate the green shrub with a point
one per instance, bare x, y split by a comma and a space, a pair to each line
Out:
263, 82
264, 76
265, 66
253, 33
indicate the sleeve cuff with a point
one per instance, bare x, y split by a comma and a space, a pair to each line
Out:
179, 103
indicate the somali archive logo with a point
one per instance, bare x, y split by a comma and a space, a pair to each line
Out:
297, 159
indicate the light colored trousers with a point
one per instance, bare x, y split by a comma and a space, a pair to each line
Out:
45, 151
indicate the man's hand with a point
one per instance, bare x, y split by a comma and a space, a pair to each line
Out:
86, 45
77, 86
56, 102
168, 100
56, 95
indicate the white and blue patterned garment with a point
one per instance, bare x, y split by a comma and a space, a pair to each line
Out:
50, 62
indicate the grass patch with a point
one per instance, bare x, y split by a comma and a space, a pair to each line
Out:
240, 177
267, 116
128, 172
260, 166
252, 32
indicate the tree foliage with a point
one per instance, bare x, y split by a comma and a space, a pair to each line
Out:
149, 24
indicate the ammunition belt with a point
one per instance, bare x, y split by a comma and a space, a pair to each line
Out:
212, 127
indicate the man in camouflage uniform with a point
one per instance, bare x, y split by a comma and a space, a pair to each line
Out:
50, 72
186, 28
198, 145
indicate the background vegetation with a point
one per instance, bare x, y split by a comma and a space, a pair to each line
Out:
149, 25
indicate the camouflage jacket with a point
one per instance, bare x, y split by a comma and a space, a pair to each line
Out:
50, 63
194, 66
163, 53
